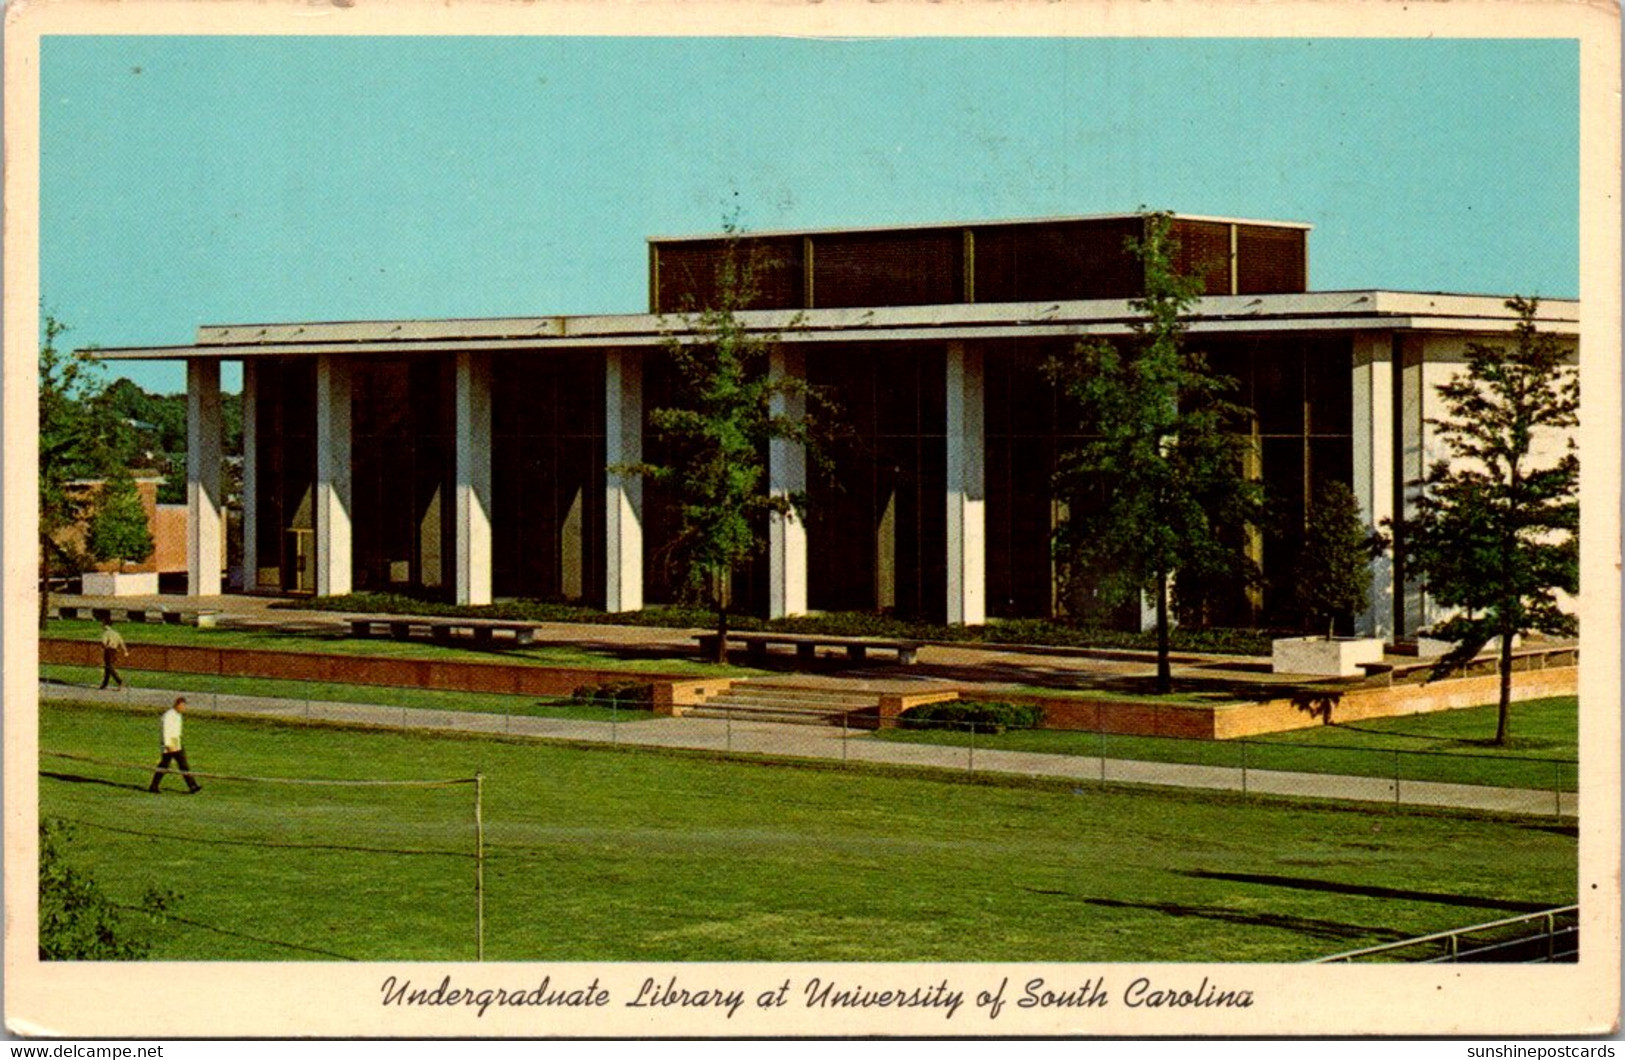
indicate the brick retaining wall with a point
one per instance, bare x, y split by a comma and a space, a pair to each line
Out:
513, 678
1232, 720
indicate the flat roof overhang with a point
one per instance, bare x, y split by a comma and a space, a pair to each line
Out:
1320, 311
933, 226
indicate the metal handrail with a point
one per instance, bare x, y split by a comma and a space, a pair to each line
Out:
1453, 937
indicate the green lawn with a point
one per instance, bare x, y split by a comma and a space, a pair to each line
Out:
605, 854
335, 692
629, 659
1450, 746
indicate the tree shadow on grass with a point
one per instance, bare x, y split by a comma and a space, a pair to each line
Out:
1368, 891
1313, 927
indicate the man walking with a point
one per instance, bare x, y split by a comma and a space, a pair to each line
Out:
172, 750
112, 647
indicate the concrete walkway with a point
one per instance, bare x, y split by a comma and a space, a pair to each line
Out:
971, 666
830, 743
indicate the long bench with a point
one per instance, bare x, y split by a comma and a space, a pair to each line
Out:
807, 645
202, 617
482, 630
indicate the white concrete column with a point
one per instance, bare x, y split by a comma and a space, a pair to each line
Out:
204, 557
967, 539
473, 496
251, 449
787, 474
1373, 428
333, 552
623, 494
1428, 363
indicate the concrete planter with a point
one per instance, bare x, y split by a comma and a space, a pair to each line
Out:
1319, 657
106, 583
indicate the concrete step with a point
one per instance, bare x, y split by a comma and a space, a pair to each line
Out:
794, 696
806, 706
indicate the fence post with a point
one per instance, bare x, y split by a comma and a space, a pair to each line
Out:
479, 868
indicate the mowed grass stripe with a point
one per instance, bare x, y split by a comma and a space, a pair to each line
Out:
606, 854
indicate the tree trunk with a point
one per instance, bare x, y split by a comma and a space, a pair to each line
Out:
1503, 727
720, 655
44, 582
1165, 678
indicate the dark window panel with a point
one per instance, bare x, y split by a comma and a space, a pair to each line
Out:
1203, 250
876, 269
1057, 261
1271, 260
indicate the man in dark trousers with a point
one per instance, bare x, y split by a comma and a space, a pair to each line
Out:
112, 647
172, 751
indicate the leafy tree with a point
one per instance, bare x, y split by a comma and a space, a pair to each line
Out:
1495, 533
79, 438
716, 436
77, 920
1156, 487
1333, 573
118, 530
157, 432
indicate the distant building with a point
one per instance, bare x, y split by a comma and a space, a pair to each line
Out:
165, 522
469, 457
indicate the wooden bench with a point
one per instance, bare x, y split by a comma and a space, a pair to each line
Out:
482, 630
807, 644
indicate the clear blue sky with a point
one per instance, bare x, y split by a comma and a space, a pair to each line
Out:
190, 180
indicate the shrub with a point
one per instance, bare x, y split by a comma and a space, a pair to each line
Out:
625, 695
960, 715
77, 921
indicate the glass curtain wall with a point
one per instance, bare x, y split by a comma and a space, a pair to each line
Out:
285, 479
877, 529
403, 452
547, 496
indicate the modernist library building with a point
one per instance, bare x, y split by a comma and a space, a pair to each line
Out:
476, 459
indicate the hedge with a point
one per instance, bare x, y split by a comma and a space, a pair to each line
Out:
961, 715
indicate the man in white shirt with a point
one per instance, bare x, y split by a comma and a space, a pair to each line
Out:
172, 750
112, 647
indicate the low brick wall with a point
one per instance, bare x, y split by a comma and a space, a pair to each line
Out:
1304, 712
514, 678
671, 697
1232, 720
892, 704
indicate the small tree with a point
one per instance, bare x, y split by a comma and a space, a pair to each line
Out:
1157, 485
716, 439
1495, 534
1333, 573
118, 530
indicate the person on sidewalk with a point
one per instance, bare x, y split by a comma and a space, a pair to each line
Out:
173, 752
112, 647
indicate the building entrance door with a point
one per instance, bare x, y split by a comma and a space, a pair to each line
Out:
299, 566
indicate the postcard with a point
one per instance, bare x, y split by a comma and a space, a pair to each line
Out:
811, 520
